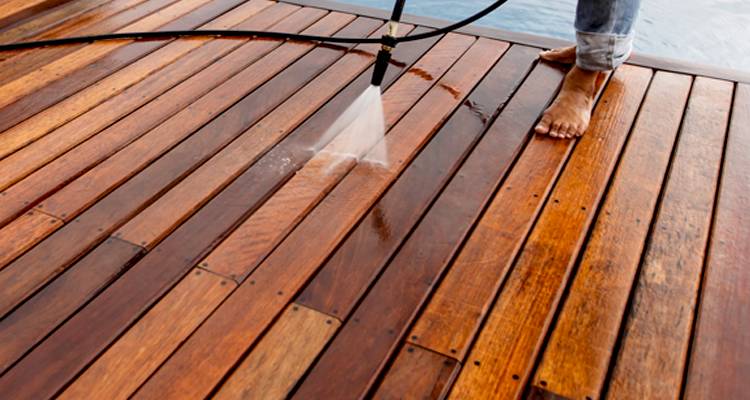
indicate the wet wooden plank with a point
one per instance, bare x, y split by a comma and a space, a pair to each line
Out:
657, 332
719, 360
131, 295
35, 319
284, 272
109, 17
347, 274
80, 78
280, 359
255, 238
577, 356
15, 10
44, 22
75, 119
160, 218
23, 233
28, 83
503, 356
381, 319
119, 371
56, 253
418, 373
26, 193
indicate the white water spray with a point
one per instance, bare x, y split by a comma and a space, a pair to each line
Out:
358, 133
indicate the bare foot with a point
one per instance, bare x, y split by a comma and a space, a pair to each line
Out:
569, 114
563, 55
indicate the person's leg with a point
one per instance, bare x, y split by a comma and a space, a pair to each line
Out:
604, 38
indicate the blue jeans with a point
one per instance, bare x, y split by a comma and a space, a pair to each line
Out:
604, 32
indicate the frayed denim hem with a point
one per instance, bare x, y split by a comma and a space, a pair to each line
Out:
602, 51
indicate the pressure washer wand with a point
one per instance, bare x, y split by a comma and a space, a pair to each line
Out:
388, 44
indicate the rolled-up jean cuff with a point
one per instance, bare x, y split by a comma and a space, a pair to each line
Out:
602, 51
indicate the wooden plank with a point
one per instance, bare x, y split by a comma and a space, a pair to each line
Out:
418, 373
657, 332
380, 320
280, 359
35, 319
15, 10
159, 219
503, 356
284, 272
75, 119
118, 372
132, 83
80, 78
30, 190
17, 88
128, 297
347, 274
23, 233
44, 22
58, 252
574, 365
108, 17
719, 361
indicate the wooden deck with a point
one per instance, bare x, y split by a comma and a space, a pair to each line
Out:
166, 230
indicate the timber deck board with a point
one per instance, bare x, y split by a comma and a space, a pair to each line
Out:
167, 229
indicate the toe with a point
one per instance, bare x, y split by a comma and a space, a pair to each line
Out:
564, 127
555, 129
543, 126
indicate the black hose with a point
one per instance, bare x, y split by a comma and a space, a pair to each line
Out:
244, 34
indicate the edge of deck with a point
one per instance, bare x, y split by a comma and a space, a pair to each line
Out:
643, 60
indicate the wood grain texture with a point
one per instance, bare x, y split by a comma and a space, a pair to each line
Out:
354, 265
577, 356
15, 10
156, 221
75, 119
382, 318
275, 282
57, 90
33, 320
52, 176
128, 297
44, 22
118, 372
33, 80
60, 250
721, 349
657, 332
23, 233
418, 373
501, 360
258, 235
281, 358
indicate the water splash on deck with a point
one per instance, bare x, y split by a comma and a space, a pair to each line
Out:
358, 133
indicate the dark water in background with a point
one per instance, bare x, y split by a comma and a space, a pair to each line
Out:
714, 32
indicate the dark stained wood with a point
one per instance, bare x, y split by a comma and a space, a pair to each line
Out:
657, 332
156, 221
719, 361
59, 89
280, 359
39, 316
577, 356
258, 235
44, 22
406, 283
130, 88
26, 193
57, 252
15, 10
118, 372
502, 358
23, 233
346, 275
418, 373
274, 283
